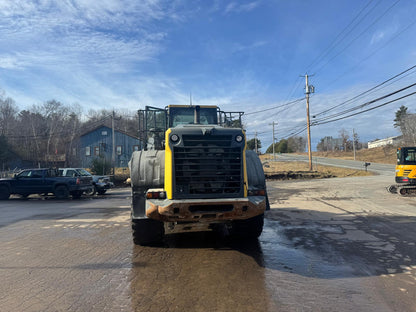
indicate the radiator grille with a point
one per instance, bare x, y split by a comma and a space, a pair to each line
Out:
207, 165
406, 173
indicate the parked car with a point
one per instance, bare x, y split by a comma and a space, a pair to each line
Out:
44, 181
100, 183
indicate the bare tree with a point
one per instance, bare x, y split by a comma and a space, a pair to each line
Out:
296, 144
409, 126
343, 134
30, 131
8, 111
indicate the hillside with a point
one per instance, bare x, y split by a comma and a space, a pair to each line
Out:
384, 155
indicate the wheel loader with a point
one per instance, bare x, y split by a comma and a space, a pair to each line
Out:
405, 172
194, 174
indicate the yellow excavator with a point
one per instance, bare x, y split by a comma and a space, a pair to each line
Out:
405, 172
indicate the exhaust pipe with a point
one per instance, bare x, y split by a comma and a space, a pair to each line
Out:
197, 114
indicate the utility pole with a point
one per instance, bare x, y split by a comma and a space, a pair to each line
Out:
353, 141
308, 89
113, 154
274, 158
255, 142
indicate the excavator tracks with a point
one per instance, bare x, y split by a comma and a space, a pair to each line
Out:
407, 190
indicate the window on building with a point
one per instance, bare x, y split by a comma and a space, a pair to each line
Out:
135, 148
103, 132
96, 151
118, 150
88, 151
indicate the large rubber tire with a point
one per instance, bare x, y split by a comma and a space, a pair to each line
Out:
147, 232
76, 194
4, 192
249, 228
91, 191
61, 192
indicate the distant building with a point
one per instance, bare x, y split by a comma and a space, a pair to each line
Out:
98, 143
383, 142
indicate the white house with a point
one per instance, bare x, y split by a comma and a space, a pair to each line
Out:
383, 142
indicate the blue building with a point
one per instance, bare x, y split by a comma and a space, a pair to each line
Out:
98, 143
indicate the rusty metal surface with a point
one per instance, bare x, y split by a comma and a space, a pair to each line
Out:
329, 245
180, 210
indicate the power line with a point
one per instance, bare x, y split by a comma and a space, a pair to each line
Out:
365, 92
372, 54
369, 109
268, 109
333, 44
365, 104
352, 41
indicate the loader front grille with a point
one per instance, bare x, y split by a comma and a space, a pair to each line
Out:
207, 166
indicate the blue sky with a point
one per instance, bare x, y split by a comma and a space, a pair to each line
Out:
240, 55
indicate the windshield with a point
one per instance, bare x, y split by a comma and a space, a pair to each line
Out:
185, 115
406, 156
83, 172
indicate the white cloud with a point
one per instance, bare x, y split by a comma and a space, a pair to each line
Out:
384, 34
237, 7
377, 37
10, 62
81, 29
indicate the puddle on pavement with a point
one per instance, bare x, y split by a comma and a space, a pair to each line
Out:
280, 253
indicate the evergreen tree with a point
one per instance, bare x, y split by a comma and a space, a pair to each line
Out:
399, 121
251, 144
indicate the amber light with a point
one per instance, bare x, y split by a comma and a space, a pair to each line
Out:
156, 195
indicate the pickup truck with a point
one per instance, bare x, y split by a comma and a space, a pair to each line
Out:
44, 181
101, 183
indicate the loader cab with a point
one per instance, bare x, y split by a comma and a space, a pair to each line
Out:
180, 115
406, 156
154, 122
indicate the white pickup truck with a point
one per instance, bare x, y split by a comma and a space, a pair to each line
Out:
101, 183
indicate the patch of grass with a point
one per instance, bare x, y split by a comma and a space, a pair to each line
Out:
292, 169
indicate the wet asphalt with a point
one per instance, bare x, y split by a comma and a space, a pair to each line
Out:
327, 245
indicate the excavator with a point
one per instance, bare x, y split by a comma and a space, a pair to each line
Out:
405, 172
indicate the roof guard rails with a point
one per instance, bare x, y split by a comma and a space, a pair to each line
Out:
230, 119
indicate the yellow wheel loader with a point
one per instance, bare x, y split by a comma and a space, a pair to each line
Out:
194, 174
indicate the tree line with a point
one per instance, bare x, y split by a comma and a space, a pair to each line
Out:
406, 123
292, 144
44, 131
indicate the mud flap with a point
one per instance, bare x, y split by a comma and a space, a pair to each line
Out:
147, 231
138, 203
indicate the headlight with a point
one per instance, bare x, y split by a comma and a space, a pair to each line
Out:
174, 138
239, 138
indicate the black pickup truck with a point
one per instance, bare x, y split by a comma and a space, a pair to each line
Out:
44, 181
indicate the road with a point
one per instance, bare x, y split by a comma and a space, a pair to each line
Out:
382, 169
328, 245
